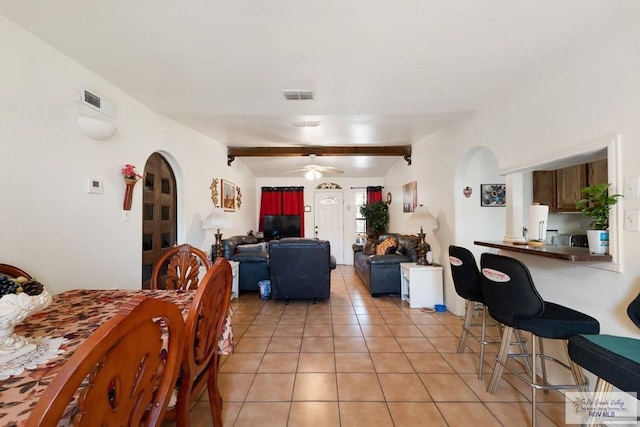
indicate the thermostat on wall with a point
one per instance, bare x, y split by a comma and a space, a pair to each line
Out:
94, 186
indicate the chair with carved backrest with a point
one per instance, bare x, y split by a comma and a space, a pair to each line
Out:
123, 374
14, 272
182, 268
204, 325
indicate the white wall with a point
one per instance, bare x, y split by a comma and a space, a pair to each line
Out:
309, 188
49, 226
581, 96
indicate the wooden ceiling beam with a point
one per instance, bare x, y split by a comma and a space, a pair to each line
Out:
393, 150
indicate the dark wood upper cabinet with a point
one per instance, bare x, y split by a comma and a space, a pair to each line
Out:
560, 189
544, 189
598, 172
570, 181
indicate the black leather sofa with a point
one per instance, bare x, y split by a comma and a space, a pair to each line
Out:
300, 268
253, 257
381, 273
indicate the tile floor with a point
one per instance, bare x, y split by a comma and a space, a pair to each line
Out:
355, 360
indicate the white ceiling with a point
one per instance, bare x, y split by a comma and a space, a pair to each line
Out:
384, 73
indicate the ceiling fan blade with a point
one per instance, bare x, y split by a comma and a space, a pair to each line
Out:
295, 171
322, 169
327, 169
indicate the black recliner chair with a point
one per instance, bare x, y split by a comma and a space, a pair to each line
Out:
300, 268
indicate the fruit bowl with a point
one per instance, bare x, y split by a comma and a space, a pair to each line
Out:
14, 308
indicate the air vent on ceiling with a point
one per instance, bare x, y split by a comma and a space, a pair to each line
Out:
298, 95
306, 124
98, 103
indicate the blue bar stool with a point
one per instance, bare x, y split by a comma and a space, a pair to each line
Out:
614, 360
513, 300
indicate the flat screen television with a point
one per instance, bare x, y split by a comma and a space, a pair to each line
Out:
279, 226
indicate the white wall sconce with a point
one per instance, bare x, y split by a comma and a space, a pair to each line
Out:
95, 128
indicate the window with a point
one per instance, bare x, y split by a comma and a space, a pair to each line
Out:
361, 223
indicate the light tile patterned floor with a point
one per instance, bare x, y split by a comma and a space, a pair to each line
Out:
355, 360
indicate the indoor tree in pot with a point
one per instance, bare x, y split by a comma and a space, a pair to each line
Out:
596, 205
377, 216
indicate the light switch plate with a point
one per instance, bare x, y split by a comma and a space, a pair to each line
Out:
94, 186
632, 187
632, 219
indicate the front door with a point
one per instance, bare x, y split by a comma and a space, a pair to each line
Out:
329, 221
159, 219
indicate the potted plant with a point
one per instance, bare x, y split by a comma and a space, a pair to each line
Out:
596, 205
377, 216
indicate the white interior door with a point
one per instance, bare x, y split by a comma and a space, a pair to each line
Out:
329, 221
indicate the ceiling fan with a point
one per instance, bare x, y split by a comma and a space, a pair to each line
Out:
313, 171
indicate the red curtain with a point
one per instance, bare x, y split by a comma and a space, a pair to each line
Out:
293, 204
374, 194
270, 204
282, 201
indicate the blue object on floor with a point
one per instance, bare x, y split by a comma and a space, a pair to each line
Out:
265, 289
441, 308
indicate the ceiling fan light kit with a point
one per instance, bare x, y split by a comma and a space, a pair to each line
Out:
312, 174
314, 171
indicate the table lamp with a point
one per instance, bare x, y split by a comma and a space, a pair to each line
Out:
217, 219
421, 217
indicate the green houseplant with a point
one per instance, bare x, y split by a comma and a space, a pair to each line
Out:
596, 204
377, 216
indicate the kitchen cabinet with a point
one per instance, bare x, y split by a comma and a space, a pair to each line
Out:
544, 188
598, 172
560, 189
569, 183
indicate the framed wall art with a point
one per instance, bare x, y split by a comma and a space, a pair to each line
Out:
409, 196
493, 195
229, 193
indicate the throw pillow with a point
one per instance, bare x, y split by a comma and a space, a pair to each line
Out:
369, 247
381, 249
391, 250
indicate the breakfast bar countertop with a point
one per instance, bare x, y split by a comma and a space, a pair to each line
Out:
566, 253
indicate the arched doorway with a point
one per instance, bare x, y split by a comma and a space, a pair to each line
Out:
159, 213
474, 222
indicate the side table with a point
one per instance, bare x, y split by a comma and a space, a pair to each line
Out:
235, 265
421, 284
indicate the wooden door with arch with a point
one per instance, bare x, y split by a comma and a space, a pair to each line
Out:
159, 214
329, 221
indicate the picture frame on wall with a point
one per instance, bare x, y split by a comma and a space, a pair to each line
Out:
409, 196
493, 195
228, 190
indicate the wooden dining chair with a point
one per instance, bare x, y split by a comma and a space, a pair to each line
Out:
14, 272
123, 374
204, 325
179, 268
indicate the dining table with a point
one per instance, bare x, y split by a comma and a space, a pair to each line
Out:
62, 327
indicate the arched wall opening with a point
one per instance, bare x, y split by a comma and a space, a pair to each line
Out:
472, 221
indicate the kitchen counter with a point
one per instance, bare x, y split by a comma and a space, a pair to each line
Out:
566, 253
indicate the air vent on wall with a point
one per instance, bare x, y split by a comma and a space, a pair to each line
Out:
298, 95
98, 103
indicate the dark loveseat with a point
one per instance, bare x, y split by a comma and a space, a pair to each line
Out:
300, 268
381, 273
253, 258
